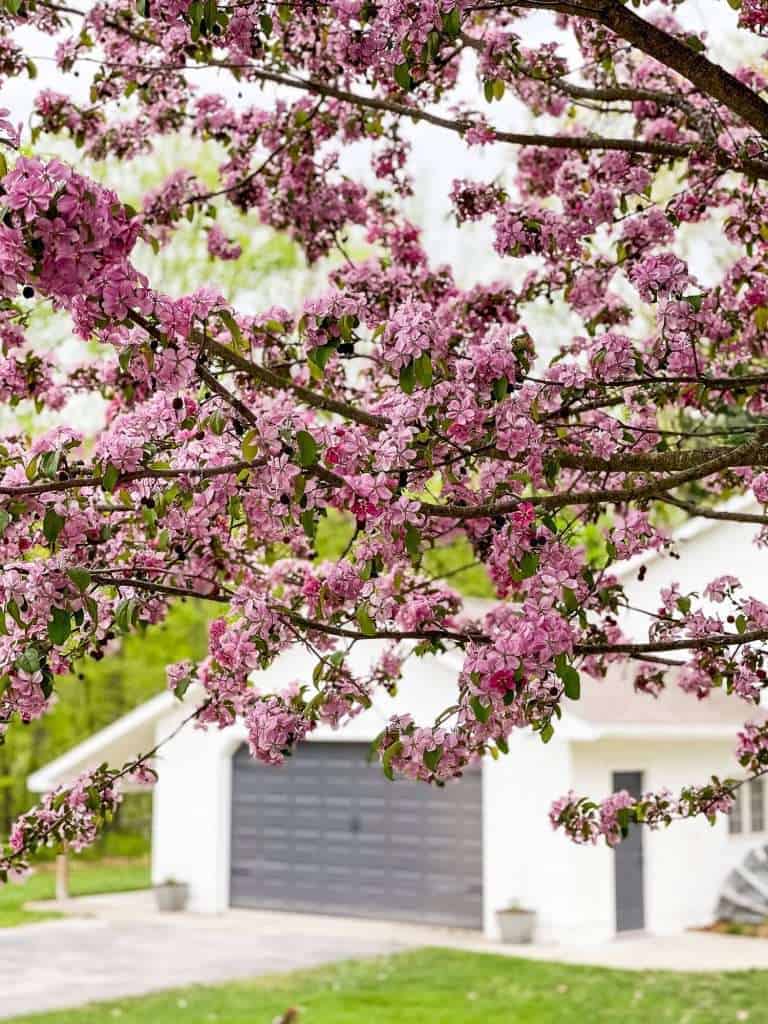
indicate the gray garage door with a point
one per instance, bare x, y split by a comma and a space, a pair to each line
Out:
326, 832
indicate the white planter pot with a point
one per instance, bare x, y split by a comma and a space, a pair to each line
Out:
171, 898
516, 926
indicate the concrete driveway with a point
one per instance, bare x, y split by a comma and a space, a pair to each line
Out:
117, 945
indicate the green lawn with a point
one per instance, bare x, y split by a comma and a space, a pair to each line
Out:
434, 986
85, 878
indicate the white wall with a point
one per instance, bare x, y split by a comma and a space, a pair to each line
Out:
715, 549
525, 861
685, 865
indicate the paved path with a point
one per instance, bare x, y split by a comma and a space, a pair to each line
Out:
124, 947
118, 946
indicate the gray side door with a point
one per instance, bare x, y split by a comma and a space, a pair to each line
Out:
628, 863
327, 833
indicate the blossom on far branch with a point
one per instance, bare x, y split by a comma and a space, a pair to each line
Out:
585, 821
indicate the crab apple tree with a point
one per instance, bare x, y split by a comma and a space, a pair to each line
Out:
410, 409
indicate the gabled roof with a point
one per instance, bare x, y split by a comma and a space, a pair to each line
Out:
610, 709
116, 744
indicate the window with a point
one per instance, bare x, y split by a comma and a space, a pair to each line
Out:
756, 805
748, 811
736, 815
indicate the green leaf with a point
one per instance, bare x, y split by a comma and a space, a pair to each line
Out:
232, 326
366, 623
423, 370
319, 356
452, 22
391, 752
5, 519
210, 14
403, 77
695, 43
307, 449
181, 687
432, 758
60, 626
92, 608
408, 378
482, 711
741, 624
346, 327
53, 524
49, 464
13, 610
529, 563
571, 682
683, 604
80, 577
266, 24
109, 477
547, 733
217, 421
308, 523
500, 388
412, 541
29, 661
250, 446
124, 614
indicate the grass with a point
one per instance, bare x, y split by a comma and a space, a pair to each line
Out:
85, 879
435, 986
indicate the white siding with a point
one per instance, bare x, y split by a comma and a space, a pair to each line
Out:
684, 865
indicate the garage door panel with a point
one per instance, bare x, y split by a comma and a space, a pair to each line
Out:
327, 833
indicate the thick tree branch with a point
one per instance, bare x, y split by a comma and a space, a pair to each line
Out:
635, 650
712, 513
83, 482
709, 78
689, 643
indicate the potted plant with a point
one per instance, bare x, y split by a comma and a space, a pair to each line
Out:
516, 924
171, 895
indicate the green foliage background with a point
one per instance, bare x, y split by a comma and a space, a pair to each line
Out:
91, 698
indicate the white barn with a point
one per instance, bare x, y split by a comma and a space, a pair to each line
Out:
327, 833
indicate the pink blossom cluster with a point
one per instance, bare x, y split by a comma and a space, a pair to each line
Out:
73, 815
274, 728
585, 821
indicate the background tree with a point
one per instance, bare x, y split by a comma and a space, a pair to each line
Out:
413, 410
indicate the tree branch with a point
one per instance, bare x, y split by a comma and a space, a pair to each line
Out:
709, 78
